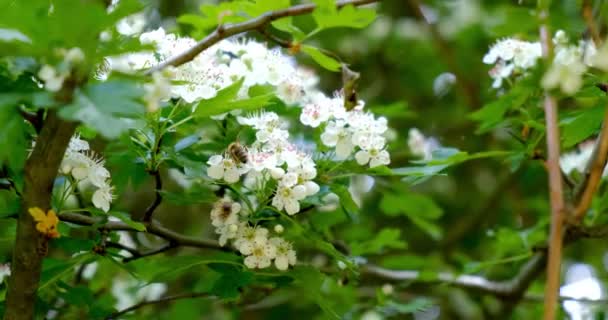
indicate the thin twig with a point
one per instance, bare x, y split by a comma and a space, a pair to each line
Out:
169, 246
512, 289
225, 31
593, 172
191, 295
268, 35
467, 87
590, 22
556, 195
132, 251
152, 227
158, 197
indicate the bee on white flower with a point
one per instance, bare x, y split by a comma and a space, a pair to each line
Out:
221, 167
225, 211
285, 256
337, 134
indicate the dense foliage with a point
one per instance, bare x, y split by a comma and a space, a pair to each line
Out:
255, 159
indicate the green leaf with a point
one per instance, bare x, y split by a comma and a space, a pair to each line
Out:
321, 58
493, 114
348, 16
226, 100
163, 268
346, 201
419, 208
9, 203
311, 281
54, 270
8, 231
232, 279
124, 217
111, 107
582, 125
13, 138
388, 238
416, 305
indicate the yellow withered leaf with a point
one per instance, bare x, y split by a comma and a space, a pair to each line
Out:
45, 223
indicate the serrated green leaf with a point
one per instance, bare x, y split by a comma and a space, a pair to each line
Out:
226, 100
163, 268
348, 16
582, 125
13, 138
321, 58
346, 200
110, 107
388, 238
419, 208
232, 279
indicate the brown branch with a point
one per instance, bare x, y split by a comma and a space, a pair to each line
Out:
590, 22
593, 173
268, 35
169, 246
152, 227
40, 172
225, 31
191, 295
158, 197
509, 289
555, 180
120, 246
467, 87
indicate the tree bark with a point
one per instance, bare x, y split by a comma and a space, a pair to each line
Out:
40, 172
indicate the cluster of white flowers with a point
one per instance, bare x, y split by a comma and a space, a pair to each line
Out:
348, 130
220, 66
54, 76
420, 145
271, 156
511, 56
253, 242
87, 168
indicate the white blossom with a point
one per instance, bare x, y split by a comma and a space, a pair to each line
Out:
158, 90
53, 80
338, 135
247, 236
221, 167
285, 256
86, 167
261, 255
566, 72
510, 55
225, 212
288, 198
102, 198
420, 145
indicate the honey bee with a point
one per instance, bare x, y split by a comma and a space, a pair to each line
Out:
237, 152
226, 209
